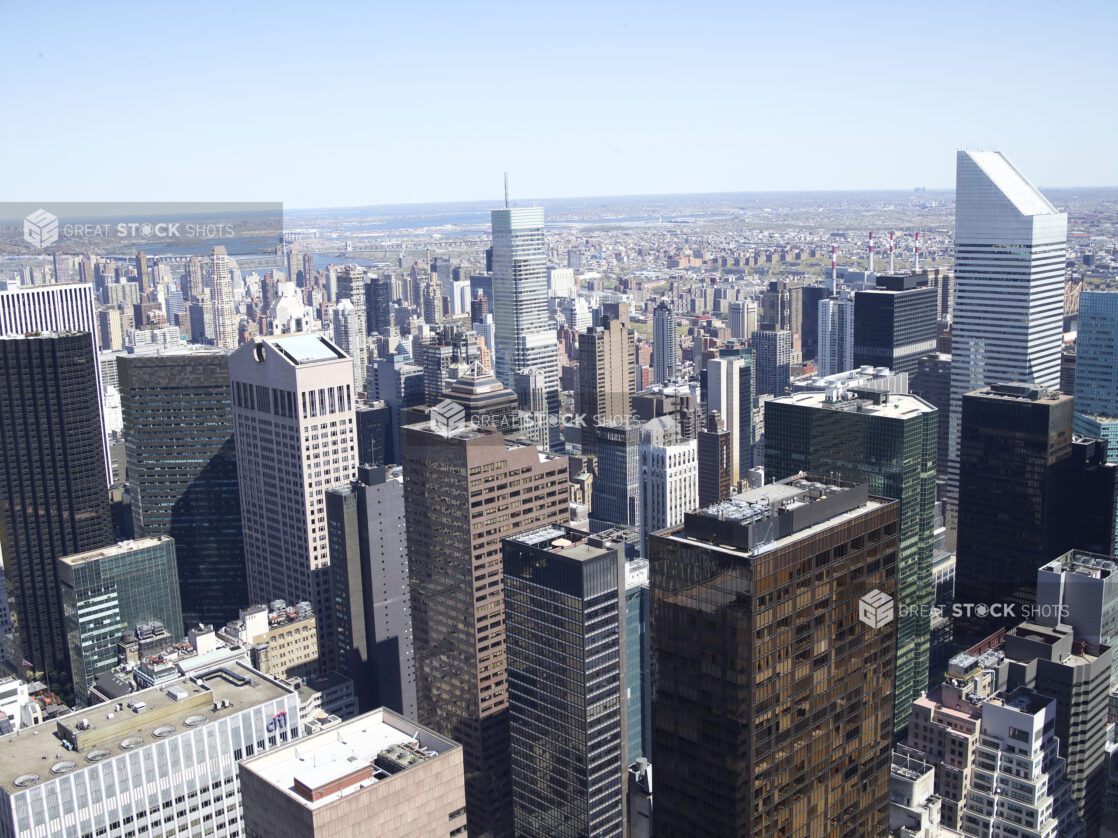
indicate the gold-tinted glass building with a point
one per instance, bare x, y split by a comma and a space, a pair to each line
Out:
773, 638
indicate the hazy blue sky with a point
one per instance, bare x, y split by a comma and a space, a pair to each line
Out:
330, 104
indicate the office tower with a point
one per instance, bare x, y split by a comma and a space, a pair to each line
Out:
616, 497
669, 477
836, 334
944, 725
638, 671
564, 595
282, 639
895, 323
525, 339
399, 383
728, 396
486, 400
1060, 665
369, 563
182, 473
375, 442
463, 492
605, 378
714, 453
479, 307
665, 345
110, 589
576, 313
109, 329
294, 424
57, 308
773, 360
1024, 499
161, 760
889, 442
932, 383
379, 304
782, 309
760, 727
561, 282
809, 336
224, 308
1080, 589
349, 338
743, 319
1010, 252
143, 276
192, 283
378, 774
54, 501
678, 400
1096, 369
351, 286
1017, 751
538, 408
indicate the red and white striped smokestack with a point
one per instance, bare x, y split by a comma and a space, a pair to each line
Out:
917, 270
871, 253
891, 251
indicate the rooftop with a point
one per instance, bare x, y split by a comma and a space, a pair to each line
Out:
1011, 183
884, 404
1024, 699
321, 769
103, 731
118, 549
305, 349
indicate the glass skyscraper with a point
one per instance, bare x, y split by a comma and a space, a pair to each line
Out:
889, 442
638, 679
1096, 368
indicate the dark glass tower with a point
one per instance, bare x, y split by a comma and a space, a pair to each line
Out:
772, 664
895, 323
889, 442
563, 605
182, 470
54, 501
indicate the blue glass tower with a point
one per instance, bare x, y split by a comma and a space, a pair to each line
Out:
638, 677
1096, 368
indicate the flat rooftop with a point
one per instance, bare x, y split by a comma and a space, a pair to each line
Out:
305, 349
320, 769
102, 731
892, 405
118, 549
1024, 699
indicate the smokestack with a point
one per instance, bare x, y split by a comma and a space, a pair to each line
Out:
917, 269
834, 268
891, 251
871, 253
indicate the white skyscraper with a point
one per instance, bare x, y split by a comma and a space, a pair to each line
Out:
665, 345
58, 308
295, 432
1010, 253
724, 395
351, 285
224, 308
836, 334
669, 477
524, 336
347, 335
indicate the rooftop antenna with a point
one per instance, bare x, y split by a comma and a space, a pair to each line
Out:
506, 190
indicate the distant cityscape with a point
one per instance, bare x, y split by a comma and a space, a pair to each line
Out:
462, 519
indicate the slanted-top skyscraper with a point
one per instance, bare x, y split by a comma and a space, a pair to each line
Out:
1010, 252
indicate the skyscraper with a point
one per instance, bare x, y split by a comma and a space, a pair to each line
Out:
638, 663
110, 589
605, 377
295, 430
669, 477
889, 442
524, 339
665, 344
351, 286
464, 491
348, 337
616, 498
369, 562
714, 454
564, 594
379, 305
895, 323
54, 502
730, 393
773, 354
57, 308
772, 707
1096, 368
182, 474
1010, 253
225, 315
836, 334
743, 319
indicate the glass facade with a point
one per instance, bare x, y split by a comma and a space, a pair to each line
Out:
53, 500
106, 591
182, 471
893, 449
773, 701
638, 673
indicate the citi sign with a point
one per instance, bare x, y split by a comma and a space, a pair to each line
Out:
277, 722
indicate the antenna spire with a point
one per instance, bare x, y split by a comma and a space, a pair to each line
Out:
506, 190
